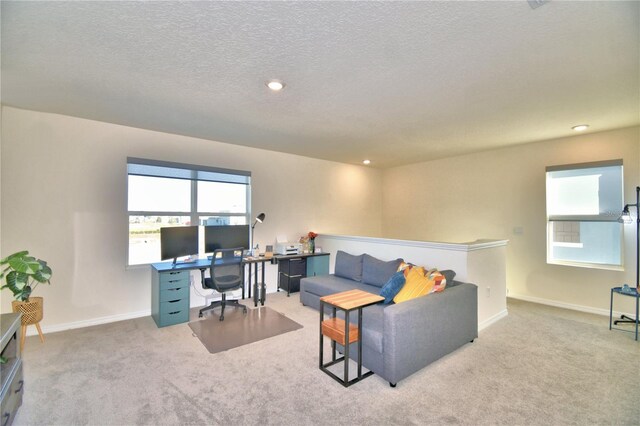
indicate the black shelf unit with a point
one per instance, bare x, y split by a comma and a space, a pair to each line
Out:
11, 378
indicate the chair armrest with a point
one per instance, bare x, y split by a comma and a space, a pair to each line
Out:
421, 330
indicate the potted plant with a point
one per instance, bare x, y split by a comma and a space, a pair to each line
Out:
22, 274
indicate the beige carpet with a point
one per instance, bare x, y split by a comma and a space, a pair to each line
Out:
538, 366
239, 329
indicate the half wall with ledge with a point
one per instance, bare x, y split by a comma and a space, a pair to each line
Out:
481, 262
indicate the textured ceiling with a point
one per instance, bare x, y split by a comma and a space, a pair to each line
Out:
391, 81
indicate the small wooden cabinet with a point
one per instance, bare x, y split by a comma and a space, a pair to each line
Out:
11, 378
169, 297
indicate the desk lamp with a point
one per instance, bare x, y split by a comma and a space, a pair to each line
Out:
259, 218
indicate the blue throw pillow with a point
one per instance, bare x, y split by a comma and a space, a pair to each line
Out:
392, 287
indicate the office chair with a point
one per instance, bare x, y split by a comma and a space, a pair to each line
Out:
227, 274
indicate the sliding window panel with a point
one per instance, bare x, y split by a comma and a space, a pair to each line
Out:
156, 194
222, 197
144, 236
589, 244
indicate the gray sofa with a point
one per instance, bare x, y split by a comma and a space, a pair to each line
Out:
400, 339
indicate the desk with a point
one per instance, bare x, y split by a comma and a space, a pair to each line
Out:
170, 283
170, 301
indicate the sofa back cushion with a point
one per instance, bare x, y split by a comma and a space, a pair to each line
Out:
449, 275
377, 272
348, 266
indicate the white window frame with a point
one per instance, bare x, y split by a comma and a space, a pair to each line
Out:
195, 174
602, 217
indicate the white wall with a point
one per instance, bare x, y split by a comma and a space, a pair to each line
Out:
1, 292
63, 197
63, 189
488, 194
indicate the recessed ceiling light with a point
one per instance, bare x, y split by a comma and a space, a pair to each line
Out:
275, 85
366, 162
580, 127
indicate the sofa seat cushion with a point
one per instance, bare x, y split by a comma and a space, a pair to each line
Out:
372, 326
322, 285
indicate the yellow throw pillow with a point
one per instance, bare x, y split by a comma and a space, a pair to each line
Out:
417, 285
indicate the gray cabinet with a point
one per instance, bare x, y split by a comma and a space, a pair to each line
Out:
290, 272
291, 269
11, 378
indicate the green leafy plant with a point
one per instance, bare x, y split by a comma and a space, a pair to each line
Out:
23, 273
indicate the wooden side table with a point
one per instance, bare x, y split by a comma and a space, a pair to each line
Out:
343, 332
633, 292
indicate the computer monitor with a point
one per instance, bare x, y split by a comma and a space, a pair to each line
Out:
178, 241
225, 236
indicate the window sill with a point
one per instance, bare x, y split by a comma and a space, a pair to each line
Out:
138, 266
571, 245
586, 265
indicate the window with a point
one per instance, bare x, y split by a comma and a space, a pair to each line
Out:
584, 202
164, 194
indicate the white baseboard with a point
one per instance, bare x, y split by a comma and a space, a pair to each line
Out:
571, 306
486, 323
31, 331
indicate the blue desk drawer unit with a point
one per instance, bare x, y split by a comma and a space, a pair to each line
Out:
169, 297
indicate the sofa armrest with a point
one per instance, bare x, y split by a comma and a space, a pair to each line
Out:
419, 331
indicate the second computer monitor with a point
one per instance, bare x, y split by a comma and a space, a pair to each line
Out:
226, 236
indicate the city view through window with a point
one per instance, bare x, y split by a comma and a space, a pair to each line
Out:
156, 202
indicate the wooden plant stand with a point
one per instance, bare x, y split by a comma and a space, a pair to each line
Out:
31, 315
